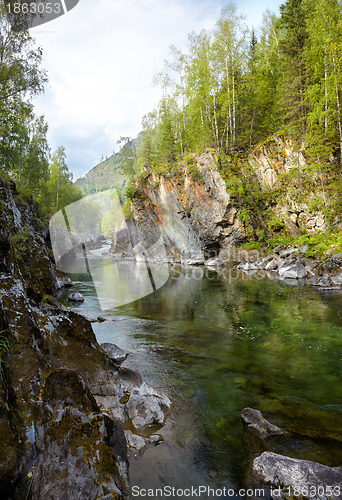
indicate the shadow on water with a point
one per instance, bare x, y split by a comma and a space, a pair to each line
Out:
217, 345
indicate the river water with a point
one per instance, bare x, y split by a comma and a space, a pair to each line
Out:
217, 342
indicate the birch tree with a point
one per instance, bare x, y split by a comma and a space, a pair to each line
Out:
230, 47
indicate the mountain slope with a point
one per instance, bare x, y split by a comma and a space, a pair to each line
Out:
105, 175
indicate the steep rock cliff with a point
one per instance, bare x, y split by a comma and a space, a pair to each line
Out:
55, 442
302, 193
194, 213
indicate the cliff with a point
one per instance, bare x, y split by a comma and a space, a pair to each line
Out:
208, 206
64, 397
192, 209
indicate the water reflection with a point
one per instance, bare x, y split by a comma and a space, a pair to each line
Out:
217, 345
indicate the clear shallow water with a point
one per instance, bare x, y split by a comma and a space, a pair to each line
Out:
217, 345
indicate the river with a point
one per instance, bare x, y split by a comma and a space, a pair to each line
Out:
217, 342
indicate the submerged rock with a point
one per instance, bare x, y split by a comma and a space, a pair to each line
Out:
254, 421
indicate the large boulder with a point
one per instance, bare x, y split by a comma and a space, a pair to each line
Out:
283, 477
292, 270
145, 406
116, 354
81, 457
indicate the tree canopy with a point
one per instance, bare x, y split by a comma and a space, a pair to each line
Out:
235, 86
24, 149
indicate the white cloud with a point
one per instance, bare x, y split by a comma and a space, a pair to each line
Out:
101, 58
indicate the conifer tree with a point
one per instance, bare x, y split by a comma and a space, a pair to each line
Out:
293, 82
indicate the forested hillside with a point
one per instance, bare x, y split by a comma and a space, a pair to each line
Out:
113, 172
103, 176
235, 86
25, 154
253, 97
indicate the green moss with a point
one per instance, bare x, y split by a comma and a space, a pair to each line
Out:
318, 244
20, 243
4, 347
126, 208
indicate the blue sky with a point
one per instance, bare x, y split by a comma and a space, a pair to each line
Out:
101, 58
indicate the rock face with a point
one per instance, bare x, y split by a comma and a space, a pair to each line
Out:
199, 219
276, 157
62, 396
193, 216
285, 477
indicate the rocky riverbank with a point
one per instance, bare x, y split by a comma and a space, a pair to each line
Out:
198, 214
290, 263
64, 398
280, 476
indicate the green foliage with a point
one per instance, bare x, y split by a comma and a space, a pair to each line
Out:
127, 156
24, 149
127, 210
233, 88
20, 79
4, 347
20, 244
318, 243
106, 175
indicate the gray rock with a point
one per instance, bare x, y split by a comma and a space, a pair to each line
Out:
293, 271
278, 249
337, 279
62, 281
193, 262
147, 406
287, 252
213, 262
272, 265
261, 264
254, 421
137, 444
76, 297
111, 405
284, 477
115, 353
144, 405
324, 283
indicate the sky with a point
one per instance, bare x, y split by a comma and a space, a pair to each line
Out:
101, 58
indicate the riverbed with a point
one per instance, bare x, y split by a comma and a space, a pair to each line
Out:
216, 342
